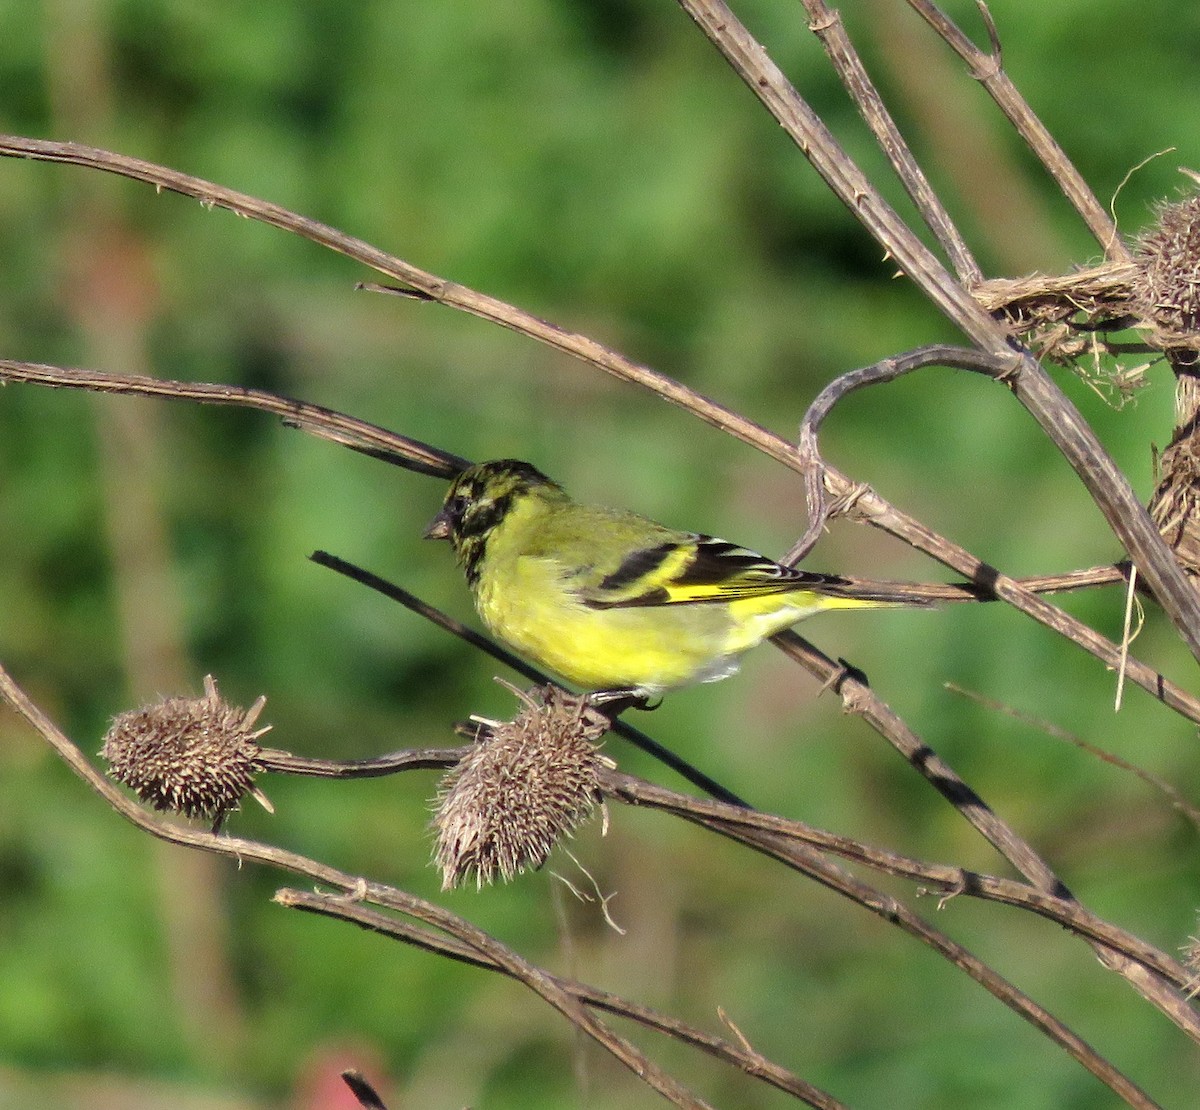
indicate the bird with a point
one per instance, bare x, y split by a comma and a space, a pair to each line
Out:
613, 601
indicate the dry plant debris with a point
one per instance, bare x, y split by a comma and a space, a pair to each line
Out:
525, 785
195, 756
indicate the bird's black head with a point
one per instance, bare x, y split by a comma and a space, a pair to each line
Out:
477, 500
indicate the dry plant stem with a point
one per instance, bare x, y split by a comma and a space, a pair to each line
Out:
728, 819
811, 864
1054, 413
819, 478
886, 370
535, 978
411, 759
815, 141
827, 25
895, 912
751, 1063
317, 420
951, 882
428, 285
858, 698
1135, 529
869, 505
988, 69
890, 909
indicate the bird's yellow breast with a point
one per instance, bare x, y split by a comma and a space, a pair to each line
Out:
531, 607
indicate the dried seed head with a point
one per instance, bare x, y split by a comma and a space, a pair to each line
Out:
1175, 504
527, 783
1191, 960
194, 756
1168, 290
1169, 295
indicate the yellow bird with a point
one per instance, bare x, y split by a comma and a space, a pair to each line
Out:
613, 601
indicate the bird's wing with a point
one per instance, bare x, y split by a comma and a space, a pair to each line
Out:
687, 569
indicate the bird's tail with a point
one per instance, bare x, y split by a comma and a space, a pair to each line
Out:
838, 592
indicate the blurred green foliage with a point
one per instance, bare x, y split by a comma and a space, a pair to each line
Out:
595, 162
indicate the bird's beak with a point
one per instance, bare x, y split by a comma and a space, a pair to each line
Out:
439, 527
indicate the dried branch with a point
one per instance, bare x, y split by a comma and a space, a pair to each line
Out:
859, 698
891, 910
751, 1063
391, 763
827, 25
886, 370
839, 171
327, 424
947, 879
988, 69
1018, 593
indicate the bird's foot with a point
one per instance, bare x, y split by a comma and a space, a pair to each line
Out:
614, 702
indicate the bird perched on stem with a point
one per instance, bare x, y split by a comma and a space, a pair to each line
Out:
613, 601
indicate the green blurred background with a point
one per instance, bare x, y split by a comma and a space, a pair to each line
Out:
596, 163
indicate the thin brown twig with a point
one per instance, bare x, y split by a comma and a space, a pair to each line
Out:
860, 699
749, 1062
948, 880
327, 424
391, 763
823, 871
987, 67
820, 477
878, 373
827, 24
1167, 789
838, 170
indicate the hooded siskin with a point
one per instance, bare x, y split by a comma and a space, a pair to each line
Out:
611, 600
